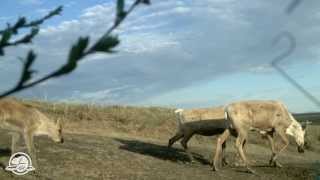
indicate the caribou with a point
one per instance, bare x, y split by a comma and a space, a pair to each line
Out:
24, 120
268, 117
201, 121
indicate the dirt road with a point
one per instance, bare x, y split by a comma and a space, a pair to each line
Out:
121, 157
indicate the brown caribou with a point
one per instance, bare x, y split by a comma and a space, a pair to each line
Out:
268, 117
201, 121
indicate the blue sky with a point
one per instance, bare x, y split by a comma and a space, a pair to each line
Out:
179, 53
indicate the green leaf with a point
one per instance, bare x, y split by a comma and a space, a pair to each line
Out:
75, 54
27, 71
57, 11
52, 13
21, 22
5, 37
105, 44
30, 59
28, 38
147, 2
78, 49
120, 6
121, 13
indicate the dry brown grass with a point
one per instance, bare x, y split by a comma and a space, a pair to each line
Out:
121, 142
150, 122
153, 122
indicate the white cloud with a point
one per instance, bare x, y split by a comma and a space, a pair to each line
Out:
134, 37
146, 42
65, 26
33, 2
43, 11
182, 9
70, 4
262, 69
98, 96
97, 10
172, 45
5, 18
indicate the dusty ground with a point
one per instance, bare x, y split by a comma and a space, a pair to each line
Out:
120, 157
131, 143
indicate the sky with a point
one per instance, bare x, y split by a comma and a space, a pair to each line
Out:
174, 53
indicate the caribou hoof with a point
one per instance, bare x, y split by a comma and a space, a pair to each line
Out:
211, 163
214, 168
192, 162
239, 164
271, 162
251, 171
224, 162
275, 164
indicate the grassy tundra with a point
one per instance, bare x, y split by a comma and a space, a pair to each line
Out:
123, 142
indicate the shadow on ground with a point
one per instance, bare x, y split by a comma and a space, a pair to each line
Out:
159, 151
4, 152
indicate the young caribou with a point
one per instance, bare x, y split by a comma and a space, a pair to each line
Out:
264, 116
204, 121
24, 120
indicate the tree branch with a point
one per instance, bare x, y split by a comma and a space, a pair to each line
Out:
77, 52
21, 23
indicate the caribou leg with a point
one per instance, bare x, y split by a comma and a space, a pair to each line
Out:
276, 154
224, 160
239, 163
272, 162
239, 144
184, 143
175, 138
220, 150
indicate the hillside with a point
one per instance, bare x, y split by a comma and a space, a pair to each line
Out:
313, 117
116, 142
